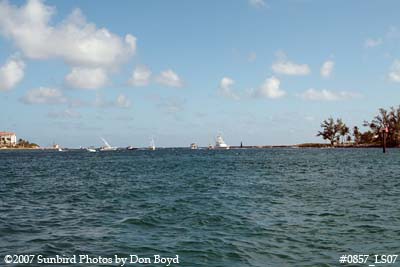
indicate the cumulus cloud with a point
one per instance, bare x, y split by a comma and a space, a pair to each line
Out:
140, 76
86, 78
44, 95
370, 43
287, 67
225, 88
121, 102
327, 68
257, 3
169, 78
11, 73
74, 40
270, 89
394, 73
327, 95
65, 114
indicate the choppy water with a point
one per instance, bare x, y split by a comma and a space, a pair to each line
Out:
273, 207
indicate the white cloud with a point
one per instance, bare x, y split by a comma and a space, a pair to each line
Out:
257, 3
65, 114
11, 73
225, 88
121, 102
285, 66
74, 40
327, 68
87, 78
169, 78
270, 89
327, 95
44, 95
140, 76
369, 43
394, 74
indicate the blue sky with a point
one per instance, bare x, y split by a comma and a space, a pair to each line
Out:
261, 72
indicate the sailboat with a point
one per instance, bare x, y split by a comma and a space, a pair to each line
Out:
152, 145
106, 146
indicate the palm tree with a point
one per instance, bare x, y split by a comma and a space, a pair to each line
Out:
344, 131
394, 126
356, 134
331, 130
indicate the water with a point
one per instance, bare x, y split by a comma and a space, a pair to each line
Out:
272, 207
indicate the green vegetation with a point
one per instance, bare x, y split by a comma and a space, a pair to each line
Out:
25, 144
313, 145
21, 143
338, 134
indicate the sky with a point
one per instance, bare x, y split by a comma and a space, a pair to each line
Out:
264, 72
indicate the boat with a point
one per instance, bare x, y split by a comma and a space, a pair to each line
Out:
92, 150
194, 146
152, 145
131, 148
106, 146
220, 144
210, 147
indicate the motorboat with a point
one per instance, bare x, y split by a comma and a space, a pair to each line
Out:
220, 143
194, 146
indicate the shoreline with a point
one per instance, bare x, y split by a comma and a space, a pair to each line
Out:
298, 146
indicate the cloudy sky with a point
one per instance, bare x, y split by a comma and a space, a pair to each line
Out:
257, 71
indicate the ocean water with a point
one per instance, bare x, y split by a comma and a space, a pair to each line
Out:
266, 207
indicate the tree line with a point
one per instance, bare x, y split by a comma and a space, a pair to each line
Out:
338, 133
26, 144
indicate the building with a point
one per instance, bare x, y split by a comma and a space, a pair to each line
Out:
8, 139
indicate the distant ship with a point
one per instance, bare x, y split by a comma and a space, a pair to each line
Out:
220, 144
107, 146
91, 149
194, 146
131, 148
152, 144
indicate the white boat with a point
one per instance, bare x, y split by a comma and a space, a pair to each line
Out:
92, 150
106, 146
220, 144
194, 146
152, 144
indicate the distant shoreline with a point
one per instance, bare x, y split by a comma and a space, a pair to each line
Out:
305, 145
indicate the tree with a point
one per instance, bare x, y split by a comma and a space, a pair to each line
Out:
389, 119
343, 131
331, 130
367, 137
357, 135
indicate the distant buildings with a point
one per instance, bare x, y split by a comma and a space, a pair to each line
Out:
8, 139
